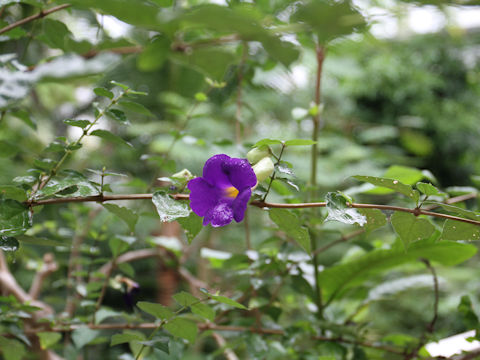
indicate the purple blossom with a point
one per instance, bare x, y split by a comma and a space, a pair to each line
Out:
222, 193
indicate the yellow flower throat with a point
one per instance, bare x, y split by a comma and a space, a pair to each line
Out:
231, 192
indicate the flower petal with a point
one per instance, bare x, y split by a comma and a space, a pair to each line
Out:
213, 171
220, 215
203, 196
239, 205
240, 173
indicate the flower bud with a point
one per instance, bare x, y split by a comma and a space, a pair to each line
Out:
183, 175
263, 169
257, 154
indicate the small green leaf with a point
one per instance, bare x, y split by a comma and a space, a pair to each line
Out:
14, 218
123, 86
410, 228
154, 54
204, 311
135, 107
392, 184
8, 149
107, 135
266, 142
13, 192
78, 123
126, 214
299, 142
25, 117
12, 349
428, 189
118, 115
100, 91
338, 210
375, 218
169, 209
48, 339
157, 310
225, 300
34, 240
201, 97
456, 210
182, 328
192, 224
84, 335
457, 230
125, 338
469, 318
8, 243
289, 222
185, 299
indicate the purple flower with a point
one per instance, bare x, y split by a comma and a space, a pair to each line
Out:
223, 192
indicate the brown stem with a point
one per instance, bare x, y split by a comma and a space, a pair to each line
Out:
261, 204
49, 266
36, 16
229, 354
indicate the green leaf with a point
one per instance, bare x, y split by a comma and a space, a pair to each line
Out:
8, 149
34, 240
266, 142
340, 277
375, 218
83, 336
154, 54
289, 222
14, 218
8, 243
25, 117
126, 214
192, 224
185, 299
169, 209
225, 300
469, 318
329, 19
118, 115
104, 313
71, 184
338, 210
78, 123
428, 189
12, 349
157, 310
457, 230
299, 142
204, 311
48, 339
411, 228
107, 135
182, 328
100, 91
13, 192
135, 107
392, 184
212, 62
125, 338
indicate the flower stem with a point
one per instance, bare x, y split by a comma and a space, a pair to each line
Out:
272, 177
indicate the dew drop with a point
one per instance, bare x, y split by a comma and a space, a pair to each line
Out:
395, 182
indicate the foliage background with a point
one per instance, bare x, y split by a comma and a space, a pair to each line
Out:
218, 79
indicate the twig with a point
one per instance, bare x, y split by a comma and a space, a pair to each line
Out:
229, 354
36, 16
344, 238
49, 266
272, 177
431, 325
261, 204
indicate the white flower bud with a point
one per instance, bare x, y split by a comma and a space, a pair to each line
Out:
257, 154
263, 169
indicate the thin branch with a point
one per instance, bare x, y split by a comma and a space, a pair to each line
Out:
36, 16
344, 238
261, 204
229, 354
49, 266
431, 325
